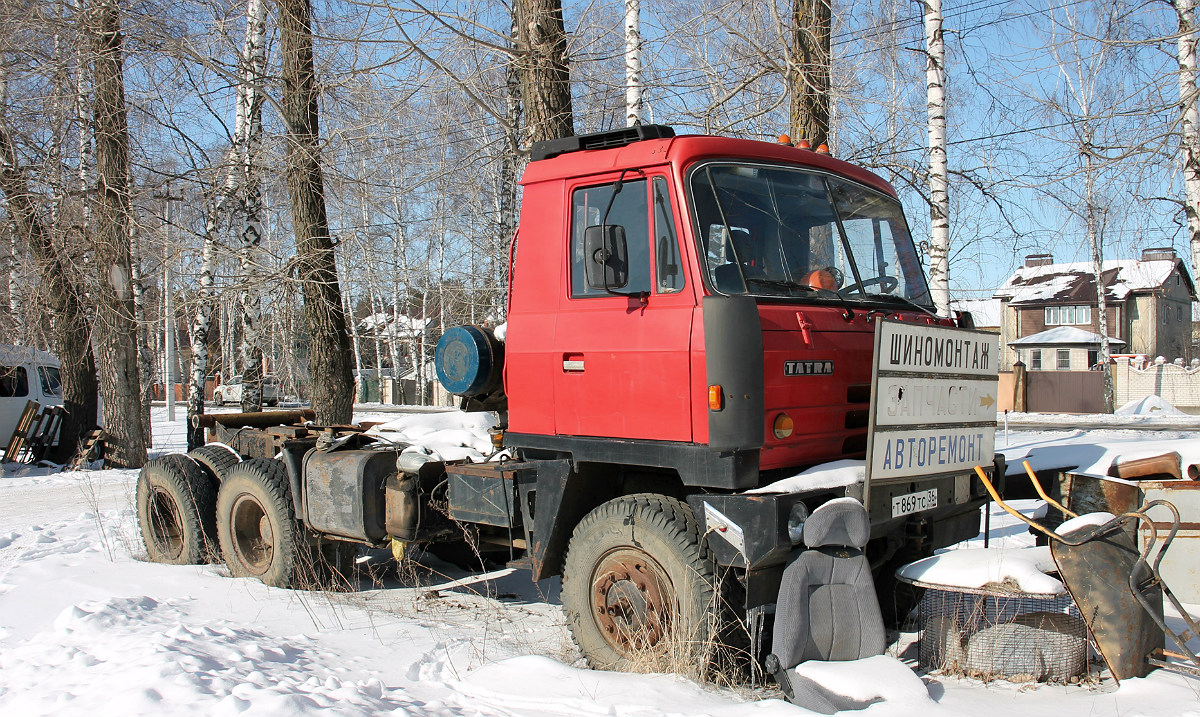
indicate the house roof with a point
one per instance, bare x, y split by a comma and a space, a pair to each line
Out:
1063, 336
1076, 281
402, 327
986, 312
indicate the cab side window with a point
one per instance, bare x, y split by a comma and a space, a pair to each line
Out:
14, 382
629, 210
667, 267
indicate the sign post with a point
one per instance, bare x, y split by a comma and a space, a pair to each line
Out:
933, 407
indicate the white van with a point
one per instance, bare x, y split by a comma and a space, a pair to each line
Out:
26, 374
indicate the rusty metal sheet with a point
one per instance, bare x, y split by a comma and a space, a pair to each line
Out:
1097, 574
1165, 466
1180, 567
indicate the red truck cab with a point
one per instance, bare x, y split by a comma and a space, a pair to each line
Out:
741, 339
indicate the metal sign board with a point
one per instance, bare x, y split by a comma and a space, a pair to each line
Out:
933, 401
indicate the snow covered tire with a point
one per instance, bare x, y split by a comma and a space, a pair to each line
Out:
176, 510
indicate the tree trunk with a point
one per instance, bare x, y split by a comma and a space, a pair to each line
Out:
115, 333
939, 183
545, 69
633, 62
329, 347
1095, 236
250, 99
66, 312
1185, 11
809, 81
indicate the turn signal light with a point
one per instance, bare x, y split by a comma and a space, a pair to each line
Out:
716, 399
783, 426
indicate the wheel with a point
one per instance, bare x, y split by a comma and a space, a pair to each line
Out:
255, 523
176, 511
638, 586
216, 459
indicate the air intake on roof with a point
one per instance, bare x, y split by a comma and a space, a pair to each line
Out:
599, 140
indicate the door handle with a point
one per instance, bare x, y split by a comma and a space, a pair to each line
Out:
572, 363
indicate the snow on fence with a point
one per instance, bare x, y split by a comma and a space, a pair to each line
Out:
1178, 385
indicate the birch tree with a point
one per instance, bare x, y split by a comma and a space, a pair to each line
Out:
939, 181
633, 62
1189, 117
250, 105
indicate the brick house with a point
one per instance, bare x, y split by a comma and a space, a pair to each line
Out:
1049, 318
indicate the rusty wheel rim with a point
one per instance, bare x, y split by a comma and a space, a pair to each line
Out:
166, 524
633, 600
253, 537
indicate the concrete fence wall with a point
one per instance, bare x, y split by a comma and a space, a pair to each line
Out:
1177, 385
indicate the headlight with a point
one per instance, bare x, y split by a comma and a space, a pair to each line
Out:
782, 426
795, 524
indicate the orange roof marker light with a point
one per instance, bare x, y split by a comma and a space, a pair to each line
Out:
784, 139
804, 144
822, 149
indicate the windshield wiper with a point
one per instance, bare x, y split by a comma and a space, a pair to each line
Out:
847, 312
780, 284
897, 299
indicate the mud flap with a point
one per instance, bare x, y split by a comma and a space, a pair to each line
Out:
1102, 573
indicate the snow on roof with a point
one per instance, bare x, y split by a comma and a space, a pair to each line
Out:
403, 326
986, 312
1121, 277
1063, 336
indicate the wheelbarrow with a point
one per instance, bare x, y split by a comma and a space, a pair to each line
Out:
1117, 585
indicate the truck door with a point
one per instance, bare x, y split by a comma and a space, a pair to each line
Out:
625, 370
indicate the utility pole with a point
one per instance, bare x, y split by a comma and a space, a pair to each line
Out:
169, 358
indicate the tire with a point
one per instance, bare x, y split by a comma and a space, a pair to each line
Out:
216, 460
176, 510
639, 587
259, 535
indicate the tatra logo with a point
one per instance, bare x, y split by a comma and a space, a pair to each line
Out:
807, 368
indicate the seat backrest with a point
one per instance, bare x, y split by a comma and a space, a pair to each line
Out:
827, 608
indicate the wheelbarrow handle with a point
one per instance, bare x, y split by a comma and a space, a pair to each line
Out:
1106, 528
1037, 486
991, 489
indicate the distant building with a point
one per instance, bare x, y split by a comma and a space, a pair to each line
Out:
1049, 318
985, 313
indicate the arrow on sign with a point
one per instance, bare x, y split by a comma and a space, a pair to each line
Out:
986, 401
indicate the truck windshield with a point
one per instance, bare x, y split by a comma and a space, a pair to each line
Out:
784, 232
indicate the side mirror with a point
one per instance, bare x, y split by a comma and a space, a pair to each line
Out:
606, 257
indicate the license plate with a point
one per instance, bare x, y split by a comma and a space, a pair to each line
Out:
914, 502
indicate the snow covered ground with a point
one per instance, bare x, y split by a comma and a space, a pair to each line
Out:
87, 628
